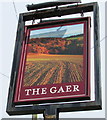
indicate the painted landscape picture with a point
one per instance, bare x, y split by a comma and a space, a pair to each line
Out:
55, 55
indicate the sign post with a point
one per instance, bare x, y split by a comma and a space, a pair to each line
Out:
51, 66
34, 117
51, 113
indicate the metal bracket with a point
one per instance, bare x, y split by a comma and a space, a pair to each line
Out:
57, 9
33, 21
40, 20
82, 13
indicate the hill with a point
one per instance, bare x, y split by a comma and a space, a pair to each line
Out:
72, 45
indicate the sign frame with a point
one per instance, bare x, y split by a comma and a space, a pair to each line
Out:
13, 109
78, 90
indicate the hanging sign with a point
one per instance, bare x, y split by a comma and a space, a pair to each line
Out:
54, 62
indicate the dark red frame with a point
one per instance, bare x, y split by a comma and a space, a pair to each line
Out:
86, 68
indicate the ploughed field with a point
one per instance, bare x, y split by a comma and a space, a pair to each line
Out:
42, 69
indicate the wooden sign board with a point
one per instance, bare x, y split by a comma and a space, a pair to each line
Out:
54, 62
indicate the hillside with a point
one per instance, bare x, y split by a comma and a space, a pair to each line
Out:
72, 45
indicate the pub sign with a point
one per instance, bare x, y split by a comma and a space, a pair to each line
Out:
54, 62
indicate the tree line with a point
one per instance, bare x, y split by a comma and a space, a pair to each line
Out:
69, 46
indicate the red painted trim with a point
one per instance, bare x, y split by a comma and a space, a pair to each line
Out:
89, 56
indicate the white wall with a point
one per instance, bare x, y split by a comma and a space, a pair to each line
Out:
8, 31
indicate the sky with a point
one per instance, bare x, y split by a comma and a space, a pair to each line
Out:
9, 13
70, 31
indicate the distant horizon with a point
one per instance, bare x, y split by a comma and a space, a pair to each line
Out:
35, 36
48, 54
